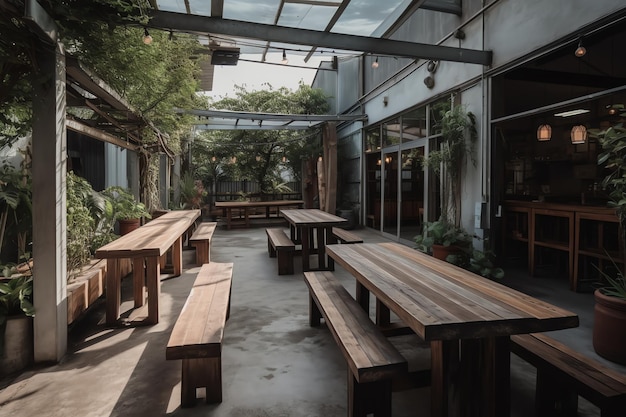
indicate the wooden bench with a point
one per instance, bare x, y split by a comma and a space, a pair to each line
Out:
563, 374
201, 240
372, 360
280, 246
198, 333
345, 236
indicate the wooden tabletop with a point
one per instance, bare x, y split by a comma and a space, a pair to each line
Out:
312, 217
153, 238
440, 301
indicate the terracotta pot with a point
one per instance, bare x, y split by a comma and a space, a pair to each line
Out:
609, 327
128, 225
442, 252
18, 345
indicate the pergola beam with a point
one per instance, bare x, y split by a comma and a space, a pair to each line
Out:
227, 114
271, 33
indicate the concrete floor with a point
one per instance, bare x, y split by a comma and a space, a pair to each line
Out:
274, 364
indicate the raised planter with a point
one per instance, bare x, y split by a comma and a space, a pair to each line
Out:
609, 327
18, 345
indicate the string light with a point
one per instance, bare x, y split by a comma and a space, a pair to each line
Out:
581, 50
375, 63
285, 60
147, 39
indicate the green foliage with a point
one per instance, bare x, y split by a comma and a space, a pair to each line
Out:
192, 192
614, 284
15, 210
124, 204
441, 232
259, 154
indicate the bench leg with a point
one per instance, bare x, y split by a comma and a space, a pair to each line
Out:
285, 262
315, 315
552, 397
270, 249
199, 373
203, 251
369, 398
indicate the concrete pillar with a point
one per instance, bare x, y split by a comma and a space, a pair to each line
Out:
49, 205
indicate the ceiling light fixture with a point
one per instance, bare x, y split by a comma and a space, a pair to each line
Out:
147, 39
285, 60
570, 113
581, 50
544, 133
375, 63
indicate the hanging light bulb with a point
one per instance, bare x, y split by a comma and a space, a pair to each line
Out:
147, 39
258, 158
581, 50
375, 63
285, 60
544, 133
284, 159
578, 135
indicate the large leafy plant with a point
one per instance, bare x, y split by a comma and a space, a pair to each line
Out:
15, 298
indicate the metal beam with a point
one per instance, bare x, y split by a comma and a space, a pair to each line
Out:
99, 134
226, 114
377, 46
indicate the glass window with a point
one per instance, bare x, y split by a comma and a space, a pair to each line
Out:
391, 133
437, 110
372, 140
414, 125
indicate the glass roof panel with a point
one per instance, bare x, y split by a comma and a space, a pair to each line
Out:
306, 16
177, 6
199, 7
362, 17
258, 11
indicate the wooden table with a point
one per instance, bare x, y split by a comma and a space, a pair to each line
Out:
307, 223
467, 319
246, 206
145, 246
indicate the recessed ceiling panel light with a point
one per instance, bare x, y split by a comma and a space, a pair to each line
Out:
572, 113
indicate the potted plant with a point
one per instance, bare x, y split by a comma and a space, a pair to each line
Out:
443, 239
16, 310
126, 209
609, 328
458, 137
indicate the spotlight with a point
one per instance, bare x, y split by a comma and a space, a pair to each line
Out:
147, 39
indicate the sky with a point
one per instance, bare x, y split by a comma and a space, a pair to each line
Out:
255, 75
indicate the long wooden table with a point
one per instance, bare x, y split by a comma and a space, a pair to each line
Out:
145, 246
246, 206
303, 224
467, 319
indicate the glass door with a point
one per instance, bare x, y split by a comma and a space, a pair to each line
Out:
411, 193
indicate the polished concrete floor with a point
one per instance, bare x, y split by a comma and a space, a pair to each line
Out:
274, 364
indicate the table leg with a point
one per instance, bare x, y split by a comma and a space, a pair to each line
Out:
139, 282
330, 239
113, 290
246, 216
362, 296
177, 256
305, 234
444, 359
153, 275
496, 374
229, 216
321, 248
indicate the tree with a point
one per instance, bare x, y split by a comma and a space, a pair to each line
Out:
261, 155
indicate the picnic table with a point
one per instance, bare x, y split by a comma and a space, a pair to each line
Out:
229, 206
467, 319
145, 246
307, 223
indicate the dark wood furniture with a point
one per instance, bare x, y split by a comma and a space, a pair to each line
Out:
228, 207
201, 241
198, 333
372, 360
146, 246
311, 228
563, 374
281, 247
467, 319
344, 236
585, 234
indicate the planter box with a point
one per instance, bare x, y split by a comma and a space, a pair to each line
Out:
18, 345
88, 286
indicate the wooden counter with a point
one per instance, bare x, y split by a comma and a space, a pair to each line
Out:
585, 233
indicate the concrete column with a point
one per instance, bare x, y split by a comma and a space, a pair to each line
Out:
49, 205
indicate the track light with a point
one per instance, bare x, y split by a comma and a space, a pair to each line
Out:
375, 63
581, 50
285, 60
147, 39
